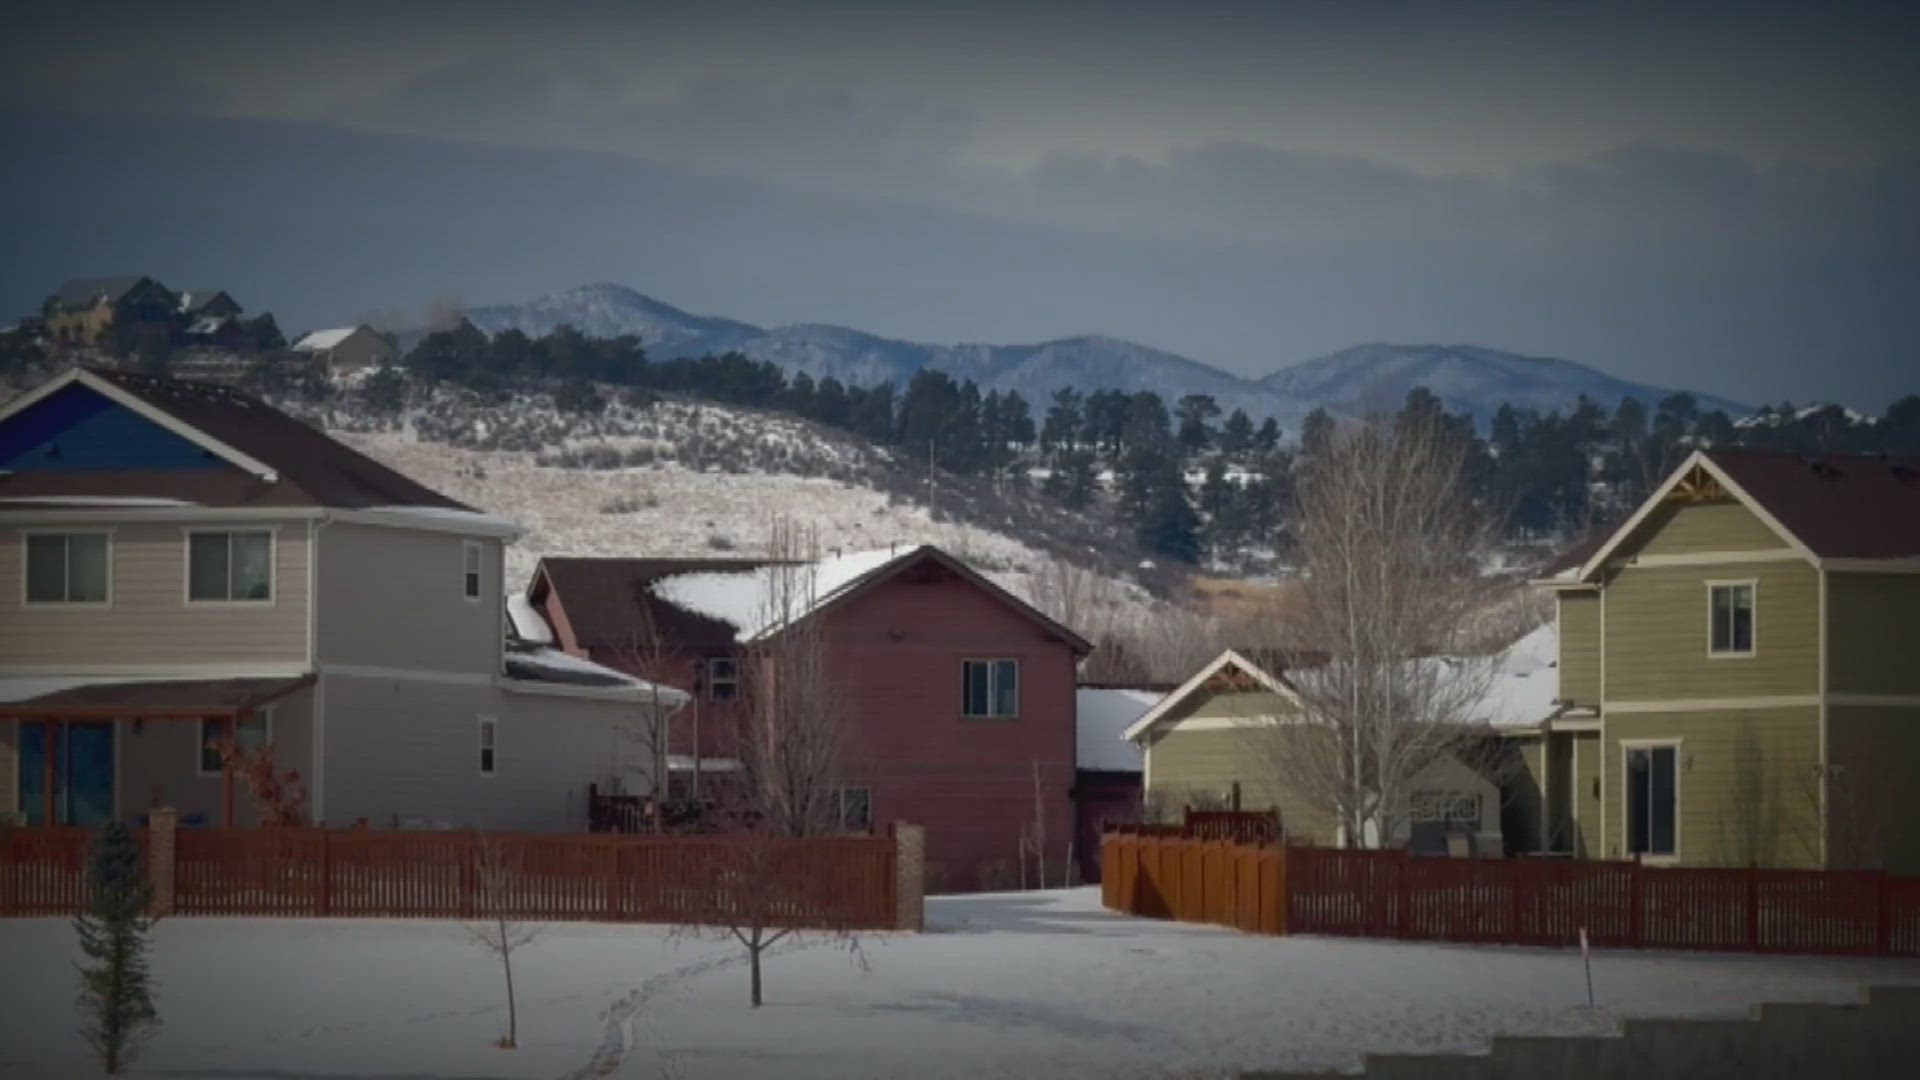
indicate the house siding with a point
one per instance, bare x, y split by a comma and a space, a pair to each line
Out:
1587, 794
1691, 528
1580, 647
1872, 752
9, 765
1187, 765
405, 752
1748, 788
1525, 820
394, 599
149, 623
159, 764
1656, 633
1871, 619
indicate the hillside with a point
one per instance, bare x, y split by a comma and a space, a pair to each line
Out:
1352, 382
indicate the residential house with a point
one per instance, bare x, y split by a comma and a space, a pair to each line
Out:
958, 698
1209, 743
348, 348
90, 311
1106, 782
181, 563
212, 317
1737, 670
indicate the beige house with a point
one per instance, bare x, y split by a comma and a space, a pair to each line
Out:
86, 311
181, 563
1739, 671
348, 348
1208, 744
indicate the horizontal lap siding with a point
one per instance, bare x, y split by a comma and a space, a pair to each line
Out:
395, 599
1588, 797
1693, 528
9, 765
1657, 634
160, 764
1580, 647
1873, 752
1184, 762
149, 621
1748, 789
1872, 618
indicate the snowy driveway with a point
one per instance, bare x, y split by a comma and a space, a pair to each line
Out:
1014, 985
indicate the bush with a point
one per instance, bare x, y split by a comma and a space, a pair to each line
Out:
719, 543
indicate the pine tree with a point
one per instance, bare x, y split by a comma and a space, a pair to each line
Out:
1170, 527
1267, 439
116, 1002
1236, 435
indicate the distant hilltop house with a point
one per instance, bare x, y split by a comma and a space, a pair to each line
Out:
348, 348
212, 317
90, 311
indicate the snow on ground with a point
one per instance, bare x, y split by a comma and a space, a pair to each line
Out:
1013, 985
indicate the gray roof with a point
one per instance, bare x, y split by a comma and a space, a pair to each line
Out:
84, 292
192, 300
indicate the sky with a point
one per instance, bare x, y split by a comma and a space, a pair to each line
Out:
1724, 197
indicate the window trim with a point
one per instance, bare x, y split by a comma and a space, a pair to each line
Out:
63, 605
487, 741
839, 795
471, 548
1627, 746
264, 713
1753, 619
731, 680
188, 532
1019, 682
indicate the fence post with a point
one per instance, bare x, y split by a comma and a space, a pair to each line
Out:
1403, 889
909, 876
469, 877
326, 872
617, 885
162, 823
1636, 902
1753, 909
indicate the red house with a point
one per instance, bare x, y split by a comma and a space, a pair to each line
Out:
955, 691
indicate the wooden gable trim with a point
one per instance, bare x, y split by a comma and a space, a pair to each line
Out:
1699, 476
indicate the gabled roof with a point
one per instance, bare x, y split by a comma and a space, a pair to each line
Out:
1836, 506
81, 293
290, 463
192, 300
713, 603
1186, 690
321, 340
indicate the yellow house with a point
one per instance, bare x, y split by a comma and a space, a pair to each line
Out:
1740, 671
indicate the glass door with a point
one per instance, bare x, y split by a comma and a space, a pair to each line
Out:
83, 772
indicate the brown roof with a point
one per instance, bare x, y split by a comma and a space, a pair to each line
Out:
1849, 506
313, 469
609, 600
212, 697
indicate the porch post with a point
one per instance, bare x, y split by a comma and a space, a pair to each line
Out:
51, 742
226, 766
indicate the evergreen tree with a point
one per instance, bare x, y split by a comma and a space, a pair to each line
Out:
1064, 420
1147, 423
1315, 433
116, 1000
1236, 435
1216, 491
1267, 439
1900, 427
1072, 481
1196, 412
830, 403
1170, 527
578, 396
801, 398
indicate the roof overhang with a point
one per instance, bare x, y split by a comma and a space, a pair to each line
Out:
136, 404
1179, 695
107, 698
1701, 460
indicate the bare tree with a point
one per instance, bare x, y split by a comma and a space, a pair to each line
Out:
648, 653
1033, 838
1391, 547
495, 876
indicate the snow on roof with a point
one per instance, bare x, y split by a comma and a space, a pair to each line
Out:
457, 520
324, 339
1102, 715
1527, 681
751, 601
528, 623
549, 665
96, 500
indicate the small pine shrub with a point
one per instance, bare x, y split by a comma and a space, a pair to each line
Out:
116, 1000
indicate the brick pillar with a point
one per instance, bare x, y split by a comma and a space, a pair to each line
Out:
162, 822
909, 875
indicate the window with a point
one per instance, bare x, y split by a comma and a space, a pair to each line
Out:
470, 569
853, 808
67, 568
990, 688
1653, 795
230, 567
486, 745
723, 679
252, 732
1731, 608
1446, 807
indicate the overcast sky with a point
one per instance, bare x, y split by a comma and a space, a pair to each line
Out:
1723, 197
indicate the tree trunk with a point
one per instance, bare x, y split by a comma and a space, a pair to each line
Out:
513, 1019
753, 961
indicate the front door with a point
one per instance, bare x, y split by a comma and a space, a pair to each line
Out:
82, 772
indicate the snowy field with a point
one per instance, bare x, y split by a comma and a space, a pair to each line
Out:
1012, 985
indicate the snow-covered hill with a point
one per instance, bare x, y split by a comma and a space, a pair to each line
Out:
1352, 382
1374, 378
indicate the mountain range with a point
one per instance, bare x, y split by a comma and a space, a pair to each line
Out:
1352, 382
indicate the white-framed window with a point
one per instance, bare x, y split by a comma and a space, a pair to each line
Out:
489, 730
1730, 618
67, 568
853, 808
1653, 798
230, 566
1447, 807
470, 569
723, 678
253, 731
989, 689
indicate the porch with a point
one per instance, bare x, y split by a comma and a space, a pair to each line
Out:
82, 751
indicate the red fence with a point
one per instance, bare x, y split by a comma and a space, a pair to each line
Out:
1520, 901
833, 883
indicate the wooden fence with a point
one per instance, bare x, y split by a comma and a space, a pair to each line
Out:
1512, 901
835, 883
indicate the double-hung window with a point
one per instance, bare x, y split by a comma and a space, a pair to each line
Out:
251, 733
470, 569
1730, 611
1653, 799
489, 729
990, 689
853, 808
723, 678
230, 567
67, 568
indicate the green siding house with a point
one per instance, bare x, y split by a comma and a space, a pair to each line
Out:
1740, 671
